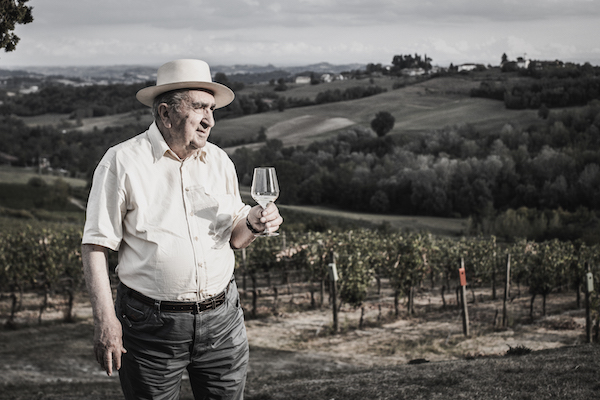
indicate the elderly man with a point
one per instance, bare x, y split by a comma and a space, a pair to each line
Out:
168, 201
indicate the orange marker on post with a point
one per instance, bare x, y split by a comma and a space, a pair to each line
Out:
463, 276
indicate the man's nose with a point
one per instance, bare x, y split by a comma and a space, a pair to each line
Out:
209, 120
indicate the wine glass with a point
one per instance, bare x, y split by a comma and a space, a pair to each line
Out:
265, 190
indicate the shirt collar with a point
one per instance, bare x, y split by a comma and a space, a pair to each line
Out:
160, 148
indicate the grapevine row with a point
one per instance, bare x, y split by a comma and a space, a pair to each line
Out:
49, 261
408, 260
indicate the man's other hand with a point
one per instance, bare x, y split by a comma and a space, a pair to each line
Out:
108, 344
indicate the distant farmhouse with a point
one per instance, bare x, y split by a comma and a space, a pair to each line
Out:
413, 71
324, 78
470, 67
522, 63
302, 80
328, 78
467, 67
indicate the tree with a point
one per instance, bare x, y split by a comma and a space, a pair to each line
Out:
221, 77
543, 112
383, 123
12, 12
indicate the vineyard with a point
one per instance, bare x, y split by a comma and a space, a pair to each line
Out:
47, 262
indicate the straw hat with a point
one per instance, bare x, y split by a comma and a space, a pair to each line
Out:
185, 74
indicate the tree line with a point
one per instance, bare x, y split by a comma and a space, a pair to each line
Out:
74, 151
547, 86
79, 102
103, 100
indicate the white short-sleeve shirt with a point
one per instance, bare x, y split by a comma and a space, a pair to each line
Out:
170, 219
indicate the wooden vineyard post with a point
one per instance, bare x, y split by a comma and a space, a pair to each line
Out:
333, 278
463, 289
286, 274
506, 293
589, 288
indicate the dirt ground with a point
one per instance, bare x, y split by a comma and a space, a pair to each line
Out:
54, 359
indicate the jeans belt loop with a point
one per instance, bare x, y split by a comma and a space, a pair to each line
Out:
157, 305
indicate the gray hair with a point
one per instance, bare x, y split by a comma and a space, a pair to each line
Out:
173, 98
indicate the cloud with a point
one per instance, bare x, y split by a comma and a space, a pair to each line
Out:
293, 31
204, 15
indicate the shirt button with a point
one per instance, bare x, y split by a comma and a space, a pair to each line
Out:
191, 213
187, 189
196, 238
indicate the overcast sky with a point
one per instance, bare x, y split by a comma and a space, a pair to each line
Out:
299, 32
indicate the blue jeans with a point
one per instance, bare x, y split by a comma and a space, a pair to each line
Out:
212, 346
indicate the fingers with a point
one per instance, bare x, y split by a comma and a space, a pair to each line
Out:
109, 357
271, 217
108, 364
271, 210
109, 360
117, 358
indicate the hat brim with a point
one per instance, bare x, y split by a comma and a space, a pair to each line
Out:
223, 95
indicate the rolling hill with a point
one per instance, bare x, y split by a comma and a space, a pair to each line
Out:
418, 108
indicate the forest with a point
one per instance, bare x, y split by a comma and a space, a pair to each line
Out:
452, 172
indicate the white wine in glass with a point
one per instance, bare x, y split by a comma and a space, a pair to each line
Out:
265, 190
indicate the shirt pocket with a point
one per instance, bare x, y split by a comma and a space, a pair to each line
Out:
214, 213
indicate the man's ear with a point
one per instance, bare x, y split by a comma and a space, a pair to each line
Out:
164, 114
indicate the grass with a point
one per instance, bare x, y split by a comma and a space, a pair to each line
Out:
571, 373
434, 225
21, 204
21, 176
417, 109
559, 373
62, 121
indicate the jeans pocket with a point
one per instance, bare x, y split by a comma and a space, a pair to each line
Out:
139, 316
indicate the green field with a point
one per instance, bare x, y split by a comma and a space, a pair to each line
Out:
412, 223
418, 108
23, 175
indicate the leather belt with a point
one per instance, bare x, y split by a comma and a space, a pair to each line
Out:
182, 306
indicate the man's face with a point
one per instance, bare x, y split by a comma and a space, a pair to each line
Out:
191, 126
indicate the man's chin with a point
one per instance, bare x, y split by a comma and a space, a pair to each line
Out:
197, 145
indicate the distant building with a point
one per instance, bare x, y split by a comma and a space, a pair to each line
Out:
413, 71
522, 63
467, 67
302, 80
29, 90
326, 78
